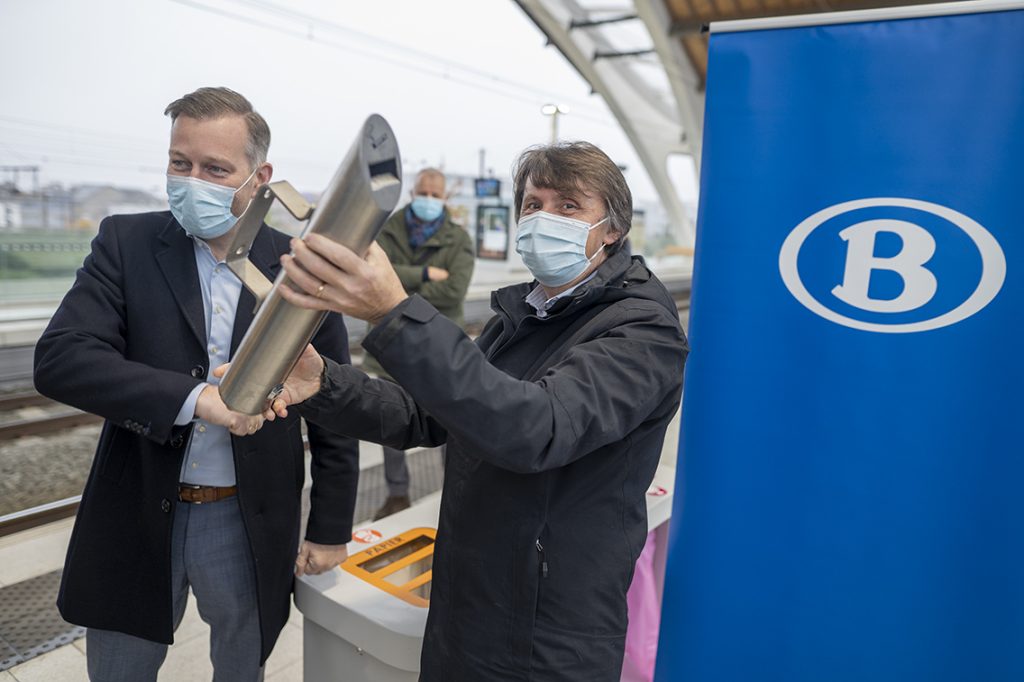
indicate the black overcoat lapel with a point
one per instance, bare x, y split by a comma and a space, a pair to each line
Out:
177, 261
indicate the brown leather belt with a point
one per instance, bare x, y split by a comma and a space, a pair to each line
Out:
198, 494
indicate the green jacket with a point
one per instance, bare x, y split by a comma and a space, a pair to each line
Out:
449, 248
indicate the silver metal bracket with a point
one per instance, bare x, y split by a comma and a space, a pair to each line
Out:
249, 225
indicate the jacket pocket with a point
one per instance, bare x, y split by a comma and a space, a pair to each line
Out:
532, 567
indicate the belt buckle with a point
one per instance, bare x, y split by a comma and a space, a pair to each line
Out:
190, 486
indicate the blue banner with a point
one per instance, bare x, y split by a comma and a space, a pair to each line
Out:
852, 458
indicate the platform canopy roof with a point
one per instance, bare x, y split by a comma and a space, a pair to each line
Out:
648, 60
688, 19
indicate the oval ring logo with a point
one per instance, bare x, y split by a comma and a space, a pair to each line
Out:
919, 283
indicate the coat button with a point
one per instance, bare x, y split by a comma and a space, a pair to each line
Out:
165, 505
176, 441
198, 371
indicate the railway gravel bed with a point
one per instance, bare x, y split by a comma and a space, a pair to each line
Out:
35, 470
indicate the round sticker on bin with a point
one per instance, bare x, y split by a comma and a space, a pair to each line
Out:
657, 491
366, 535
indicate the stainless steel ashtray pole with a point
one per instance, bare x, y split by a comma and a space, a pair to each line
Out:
360, 197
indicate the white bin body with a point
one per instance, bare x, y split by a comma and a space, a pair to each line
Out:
329, 658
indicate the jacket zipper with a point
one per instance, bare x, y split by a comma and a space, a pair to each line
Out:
502, 342
543, 563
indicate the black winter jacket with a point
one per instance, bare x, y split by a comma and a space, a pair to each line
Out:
554, 429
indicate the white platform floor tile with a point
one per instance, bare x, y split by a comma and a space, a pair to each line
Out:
187, 661
287, 651
66, 664
293, 673
192, 626
295, 617
34, 552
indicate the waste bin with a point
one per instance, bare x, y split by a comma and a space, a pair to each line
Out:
365, 621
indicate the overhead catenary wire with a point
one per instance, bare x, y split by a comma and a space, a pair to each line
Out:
447, 69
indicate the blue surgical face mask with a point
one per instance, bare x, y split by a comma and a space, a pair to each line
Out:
202, 208
554, 247
427, 208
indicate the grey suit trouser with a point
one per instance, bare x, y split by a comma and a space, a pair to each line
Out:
210, 554
396, 472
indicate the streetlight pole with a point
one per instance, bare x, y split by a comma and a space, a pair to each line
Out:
554, 111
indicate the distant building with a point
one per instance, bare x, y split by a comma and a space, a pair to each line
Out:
55, 207
10, 215
93, 203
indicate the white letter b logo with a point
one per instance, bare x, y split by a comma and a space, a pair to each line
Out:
919, 284
919, 306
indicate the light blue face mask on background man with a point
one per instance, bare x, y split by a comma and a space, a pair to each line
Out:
554, 247
427, 208
202, 208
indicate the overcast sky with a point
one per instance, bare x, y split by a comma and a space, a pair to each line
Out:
84, 84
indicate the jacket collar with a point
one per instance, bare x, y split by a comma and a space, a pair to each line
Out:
512, 299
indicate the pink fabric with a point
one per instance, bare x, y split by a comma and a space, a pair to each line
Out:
644, 619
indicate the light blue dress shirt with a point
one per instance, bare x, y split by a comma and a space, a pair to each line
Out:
209, 459
542, 304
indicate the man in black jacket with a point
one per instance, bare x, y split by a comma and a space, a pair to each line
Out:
183, 492
554, 421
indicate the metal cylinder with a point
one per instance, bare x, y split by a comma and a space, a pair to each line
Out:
362, 194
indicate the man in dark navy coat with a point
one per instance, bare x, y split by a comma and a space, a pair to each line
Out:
184, 493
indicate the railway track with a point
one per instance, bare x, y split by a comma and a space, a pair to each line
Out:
16, 401
48, 416
41, 426
39, 516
